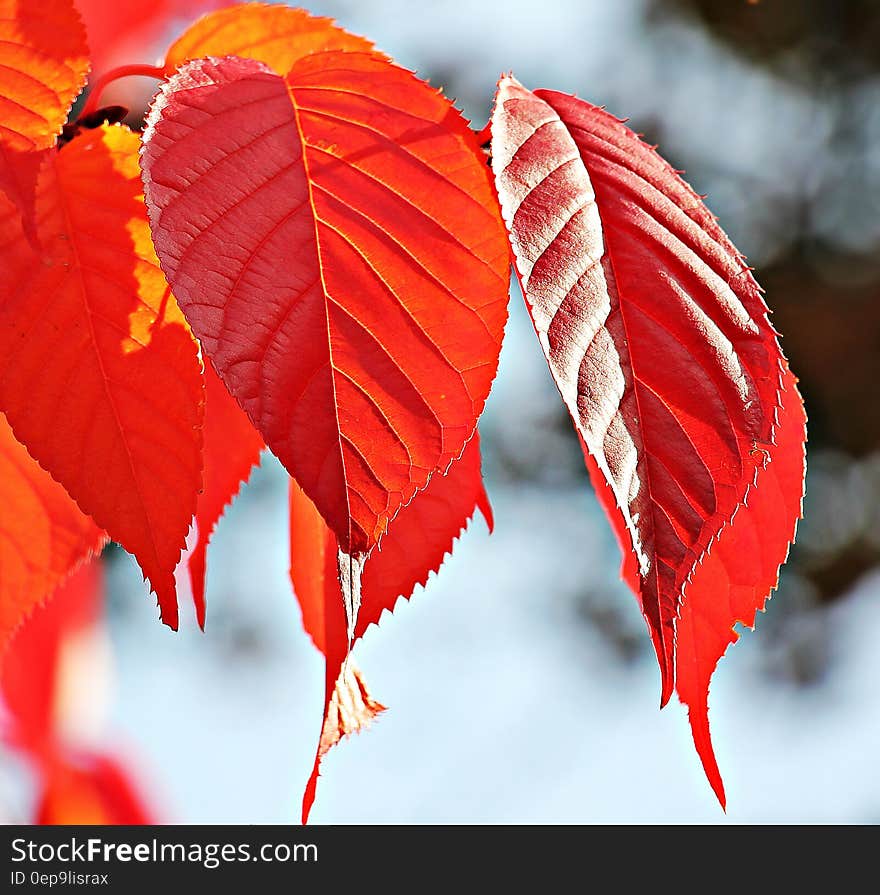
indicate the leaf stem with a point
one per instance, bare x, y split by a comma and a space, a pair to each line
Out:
123, 71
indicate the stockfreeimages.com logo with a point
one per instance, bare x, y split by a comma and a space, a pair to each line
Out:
210, 855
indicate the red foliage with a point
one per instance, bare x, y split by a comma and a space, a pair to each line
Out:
101, 378
330, 228
75, 785
654, 329
416, 545
736, 576
356, 222
43, 537
44, 59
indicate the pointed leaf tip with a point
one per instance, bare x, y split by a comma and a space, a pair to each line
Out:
231, 449
735, 579
414, 547
351, 709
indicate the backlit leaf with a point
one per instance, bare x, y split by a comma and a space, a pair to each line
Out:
736, 576
336, 246
43, 534
422, 535
416, 545
276, 35
44, 61
99, 374
653, 327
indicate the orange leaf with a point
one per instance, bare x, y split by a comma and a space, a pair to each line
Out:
100, 376
43, 534
358, 312
276, 35
231, 449
415, 545
44, 61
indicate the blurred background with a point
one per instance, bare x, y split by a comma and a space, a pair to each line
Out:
521, 684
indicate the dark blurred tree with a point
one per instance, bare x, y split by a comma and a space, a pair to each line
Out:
839, 39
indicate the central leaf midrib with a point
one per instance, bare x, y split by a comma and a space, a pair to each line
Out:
324, 293
72, 241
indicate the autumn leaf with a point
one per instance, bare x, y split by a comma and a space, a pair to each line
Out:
44, 61
359, 309
100, 376
654, 329
348, 705
423, 535
231, 448
87, 787
19, 172
736, 576
44, 535
277, 35
75, 785
333, 234
415, 546
31, 672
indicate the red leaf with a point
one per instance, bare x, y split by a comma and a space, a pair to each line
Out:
43, 534
415, 545
654, 329
422, 535
44, 60
736, 576
19, 173
231, 449
100, 377
30, 672
75, 786
349, 202
90, 788
276, 35
123, 32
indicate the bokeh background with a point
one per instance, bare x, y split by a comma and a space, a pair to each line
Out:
521, 682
